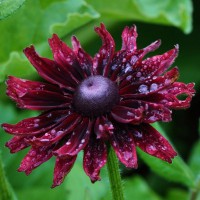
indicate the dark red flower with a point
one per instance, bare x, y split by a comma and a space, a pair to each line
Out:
88, 102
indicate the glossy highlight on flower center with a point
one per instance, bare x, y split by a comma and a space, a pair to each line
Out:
95, 96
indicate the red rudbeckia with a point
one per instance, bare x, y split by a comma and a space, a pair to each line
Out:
88, 102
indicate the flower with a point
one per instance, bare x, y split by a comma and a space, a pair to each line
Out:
90, 102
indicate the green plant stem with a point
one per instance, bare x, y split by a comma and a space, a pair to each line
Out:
6, 192
114, 175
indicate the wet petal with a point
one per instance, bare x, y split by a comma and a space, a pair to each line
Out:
35, 157
94, 158
84, 59
17, 143
152, 112
103, 57
152, 142
149, 86
129, 36
124, 146
62, 168
57, 133
125, 114
51, 71
36, 125
77, 141
150, 68
66, 58
103, 128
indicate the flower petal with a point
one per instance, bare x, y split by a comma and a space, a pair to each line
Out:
149, 86
57, 133
129, 36
124, 146
103, 57
66, 58
51, 71
36, 125
152, 142
34, 158
17, 143
84, 59
152, 112
103, 128
62, 168
94, 158
125, 114
150, 68
77, 141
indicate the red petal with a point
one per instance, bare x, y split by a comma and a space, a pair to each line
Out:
36, 125
66, 58
84, 59
124, 146
152, 142
17, 143
150, 68
35, 157
152, 112
57, 133
125, 114
51, 71
20, 90
105, 54
138, 90
129, 36
94, 158
77, 141
103, 128
62, 168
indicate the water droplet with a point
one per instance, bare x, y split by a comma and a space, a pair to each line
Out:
114, 67
151, 149
128, 78
127, 155
130, 114
68, 143
134, 60
143, 89
139, 74
138, 134
82, 141
153, 87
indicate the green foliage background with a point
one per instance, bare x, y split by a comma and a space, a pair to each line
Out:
26, 22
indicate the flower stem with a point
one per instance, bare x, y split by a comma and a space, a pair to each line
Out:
5, 189
195, 192
114, 175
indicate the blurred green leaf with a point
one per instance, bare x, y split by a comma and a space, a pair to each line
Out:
176, 194
137, 188
170, 12
194, 161
79, 185
7, 7
178, 171
42, 19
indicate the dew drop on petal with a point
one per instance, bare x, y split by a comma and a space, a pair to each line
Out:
138, 134
139, 74
143, 88
151, 149
153, 87
127, 155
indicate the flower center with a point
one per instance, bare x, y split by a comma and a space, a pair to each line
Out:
95, 96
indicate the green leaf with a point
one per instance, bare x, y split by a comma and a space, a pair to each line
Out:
137, 188
194, 161
79, 185
175, 194
178, 171
34, 23
169, 12
7, 7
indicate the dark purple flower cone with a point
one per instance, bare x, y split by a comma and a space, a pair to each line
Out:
87, 102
